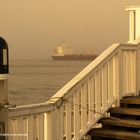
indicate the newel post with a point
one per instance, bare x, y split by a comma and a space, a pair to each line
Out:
134, 22
132, 25
4, 70
50, 125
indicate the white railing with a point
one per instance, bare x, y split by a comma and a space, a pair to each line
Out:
76, 108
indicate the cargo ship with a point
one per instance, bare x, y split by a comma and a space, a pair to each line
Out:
64, 52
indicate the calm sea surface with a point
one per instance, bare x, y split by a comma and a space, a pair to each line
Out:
36, 81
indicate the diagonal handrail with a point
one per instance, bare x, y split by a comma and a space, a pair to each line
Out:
83, 100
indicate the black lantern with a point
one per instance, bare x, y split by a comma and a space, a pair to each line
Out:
4, 62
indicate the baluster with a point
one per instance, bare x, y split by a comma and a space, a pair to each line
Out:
116, 72
97, 92
129, 63
10, 128
124, 73
115, 75
110, 79
35, 127
91, 93
80, 109
25, 128
15, 131
47, 126
76, 115
41, 126
19, 121
64, 121
133, 71
61, 122
83, 107
72, 116
30, 126
104, 85
68, 119
127, 71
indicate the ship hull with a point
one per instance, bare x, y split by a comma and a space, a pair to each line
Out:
74, 57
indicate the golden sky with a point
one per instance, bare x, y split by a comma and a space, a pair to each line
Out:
33, 28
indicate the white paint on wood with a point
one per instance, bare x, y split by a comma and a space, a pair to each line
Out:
25, 128
83, 101
30, 127
132, 26
60, 123
68, 118
76, 115
97, 92
104, 85
91, 98
83, 106
137, 29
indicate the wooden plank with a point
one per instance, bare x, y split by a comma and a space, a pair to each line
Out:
109, 133
131, 100
127, 111
120, 122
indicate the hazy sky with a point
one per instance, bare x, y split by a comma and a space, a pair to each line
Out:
33, 28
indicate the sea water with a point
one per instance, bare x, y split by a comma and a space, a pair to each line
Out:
35, 81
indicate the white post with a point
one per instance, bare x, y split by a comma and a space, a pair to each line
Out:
132, 26
50, 125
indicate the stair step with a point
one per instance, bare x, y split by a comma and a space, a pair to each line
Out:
131, 100
125, 111
120, 122
110, 133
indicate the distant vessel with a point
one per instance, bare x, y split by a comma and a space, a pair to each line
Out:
64, 52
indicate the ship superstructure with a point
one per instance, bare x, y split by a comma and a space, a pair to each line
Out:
64, 52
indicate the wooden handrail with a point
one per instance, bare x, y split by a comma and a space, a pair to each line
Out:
78, 105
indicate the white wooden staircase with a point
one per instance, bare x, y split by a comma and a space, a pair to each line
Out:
76, 108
